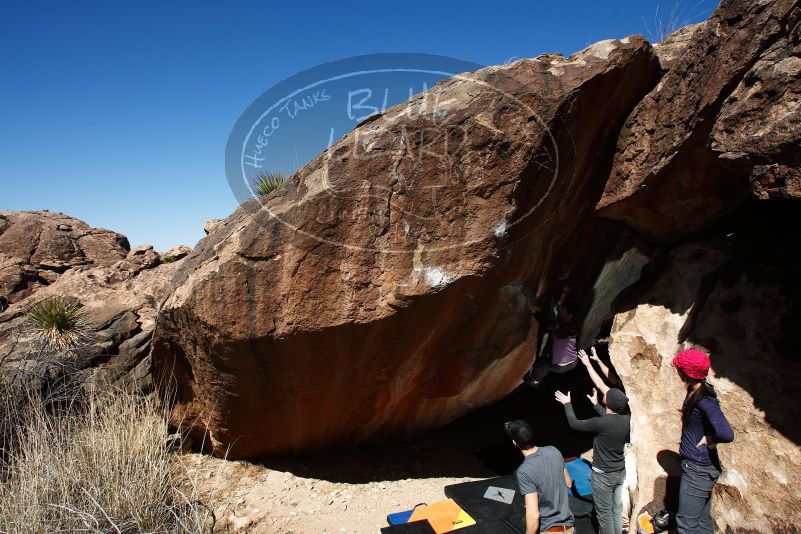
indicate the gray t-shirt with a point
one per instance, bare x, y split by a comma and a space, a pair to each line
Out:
544, 473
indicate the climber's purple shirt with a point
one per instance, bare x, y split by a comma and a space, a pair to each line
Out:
563, 350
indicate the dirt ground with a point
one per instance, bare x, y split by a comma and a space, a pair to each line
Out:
254, 498
353, 491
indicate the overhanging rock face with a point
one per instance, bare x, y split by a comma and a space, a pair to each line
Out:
380, 292
725, 115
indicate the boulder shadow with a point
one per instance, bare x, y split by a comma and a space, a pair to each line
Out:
666, 487
474, 446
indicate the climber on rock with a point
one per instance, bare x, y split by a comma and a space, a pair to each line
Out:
543, 482
611, 430
703, 426
562, 333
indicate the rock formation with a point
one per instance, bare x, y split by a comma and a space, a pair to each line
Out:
675, 45
336, 311
176, 253
37, 247
333, 311
724, 115
211, 225
710, 159
51, 254
381, 292
734, 297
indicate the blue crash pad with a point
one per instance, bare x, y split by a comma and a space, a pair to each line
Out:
399, 518
580, 471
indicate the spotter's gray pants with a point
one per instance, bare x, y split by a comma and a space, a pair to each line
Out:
607, 493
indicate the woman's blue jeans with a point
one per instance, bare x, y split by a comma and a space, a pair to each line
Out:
695, 498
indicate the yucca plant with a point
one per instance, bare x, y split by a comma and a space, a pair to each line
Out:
58, 322
266, 182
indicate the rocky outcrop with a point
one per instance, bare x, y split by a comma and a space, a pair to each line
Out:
758, 128
381, 291
211, 225
675, 45
121, 310
120, 290
37, 247
736, 298
726, 108
713, 152
176, 253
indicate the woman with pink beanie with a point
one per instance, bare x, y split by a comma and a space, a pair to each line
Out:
703, 427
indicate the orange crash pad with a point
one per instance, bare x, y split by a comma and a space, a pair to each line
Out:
444, 516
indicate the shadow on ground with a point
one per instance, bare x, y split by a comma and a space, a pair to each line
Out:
473, 446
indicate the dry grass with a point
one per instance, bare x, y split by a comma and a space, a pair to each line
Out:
670, 18
99, 466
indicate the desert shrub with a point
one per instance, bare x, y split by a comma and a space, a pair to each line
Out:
12, 410
168, 259
266, 182
59, 323
34, 373
99, 465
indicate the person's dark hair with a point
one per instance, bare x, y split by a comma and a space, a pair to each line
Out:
571, 306
704, 390
567, 326
522, 434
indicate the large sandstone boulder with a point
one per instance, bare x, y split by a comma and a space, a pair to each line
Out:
724, 115
735, 298
381, 291
37, 247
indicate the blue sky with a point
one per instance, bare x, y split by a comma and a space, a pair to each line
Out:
118, 113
